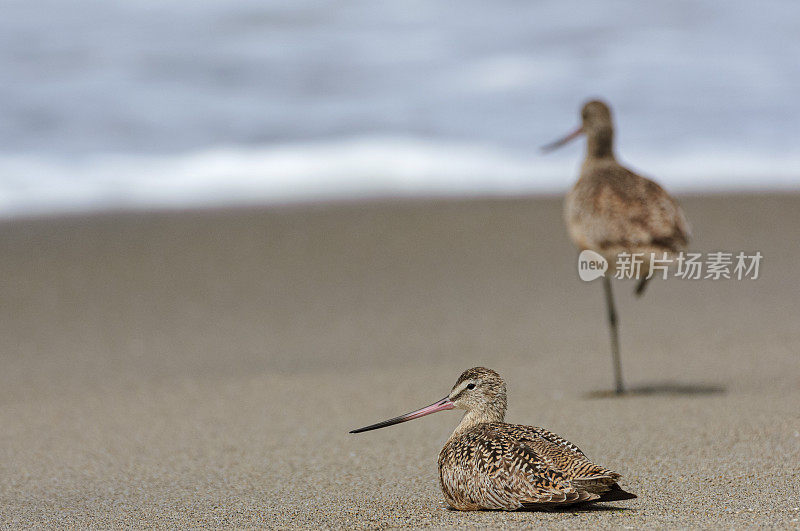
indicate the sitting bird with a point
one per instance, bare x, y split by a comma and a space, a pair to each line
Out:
490, 464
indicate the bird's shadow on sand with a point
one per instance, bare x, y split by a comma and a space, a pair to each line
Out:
662, 389
577, 508
588, 508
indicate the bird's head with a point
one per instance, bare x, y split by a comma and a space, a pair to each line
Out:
596, 124
595, 115
479, 391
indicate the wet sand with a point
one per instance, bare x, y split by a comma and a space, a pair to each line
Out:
203, 368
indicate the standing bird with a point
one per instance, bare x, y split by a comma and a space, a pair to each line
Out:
612, 210
488, 464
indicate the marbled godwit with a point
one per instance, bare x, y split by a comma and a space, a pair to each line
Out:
488, 464
611, 210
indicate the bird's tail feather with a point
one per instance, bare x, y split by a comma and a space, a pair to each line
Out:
615, 493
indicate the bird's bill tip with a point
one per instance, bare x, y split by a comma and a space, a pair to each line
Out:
552, 146
441, 405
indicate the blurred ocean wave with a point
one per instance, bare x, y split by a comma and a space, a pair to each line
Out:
116, 103
368, 167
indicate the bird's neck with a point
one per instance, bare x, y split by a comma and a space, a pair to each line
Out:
600, 143
474, 417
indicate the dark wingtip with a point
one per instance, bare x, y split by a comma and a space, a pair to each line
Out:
616, 494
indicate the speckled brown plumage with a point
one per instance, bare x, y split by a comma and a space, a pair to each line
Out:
611, 209
495, 465
489, 464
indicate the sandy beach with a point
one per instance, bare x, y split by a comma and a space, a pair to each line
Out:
203, 368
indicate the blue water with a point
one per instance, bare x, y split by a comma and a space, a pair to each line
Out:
109, 103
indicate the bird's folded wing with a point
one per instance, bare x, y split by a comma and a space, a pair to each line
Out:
575, 467
535, 432
635, 211
502, 472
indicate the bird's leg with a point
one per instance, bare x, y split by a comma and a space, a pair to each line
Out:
612, 323
640, 286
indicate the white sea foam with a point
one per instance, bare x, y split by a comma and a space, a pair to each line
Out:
366, 167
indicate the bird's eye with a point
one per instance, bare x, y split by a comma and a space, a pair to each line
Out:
471, 386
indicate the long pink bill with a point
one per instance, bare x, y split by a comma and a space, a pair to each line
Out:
441, 405
558, 143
